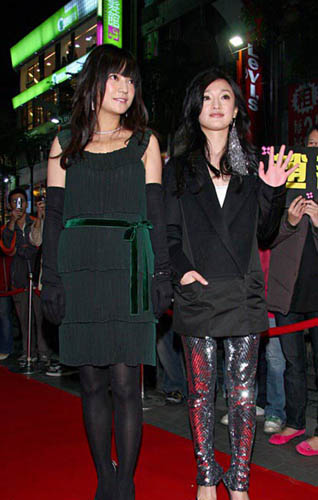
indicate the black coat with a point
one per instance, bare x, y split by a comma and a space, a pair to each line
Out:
222, 245
25, 256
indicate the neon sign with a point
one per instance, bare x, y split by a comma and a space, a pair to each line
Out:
112, 22
44, 85
53, 27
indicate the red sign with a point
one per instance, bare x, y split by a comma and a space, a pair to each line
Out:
253, 88
302, 111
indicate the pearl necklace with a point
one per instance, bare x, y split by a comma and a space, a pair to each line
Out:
106, 132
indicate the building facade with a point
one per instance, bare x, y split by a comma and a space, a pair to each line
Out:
169, 37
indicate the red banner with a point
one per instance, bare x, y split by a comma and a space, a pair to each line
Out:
302, 111
253, 88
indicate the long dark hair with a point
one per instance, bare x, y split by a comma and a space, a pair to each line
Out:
189, 137
90, 89
312, 129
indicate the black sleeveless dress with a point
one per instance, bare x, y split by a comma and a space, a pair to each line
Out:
105, 259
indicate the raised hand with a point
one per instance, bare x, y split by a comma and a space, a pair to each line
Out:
16, 214
311, 209
296, 210
277, 173
40, 208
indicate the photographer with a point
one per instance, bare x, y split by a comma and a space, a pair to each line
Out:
16, 239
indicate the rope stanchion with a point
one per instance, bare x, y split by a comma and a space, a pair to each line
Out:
295, 327
28, 369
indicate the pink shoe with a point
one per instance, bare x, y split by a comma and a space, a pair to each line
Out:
280, 439
304, 448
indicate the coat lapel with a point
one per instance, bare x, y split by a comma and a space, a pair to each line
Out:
209, 203
236, 197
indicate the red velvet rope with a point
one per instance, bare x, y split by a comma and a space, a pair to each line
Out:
271, 332
295, 327
12, 292
18, 290
281, 330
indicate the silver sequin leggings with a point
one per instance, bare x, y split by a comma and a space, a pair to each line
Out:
241, 354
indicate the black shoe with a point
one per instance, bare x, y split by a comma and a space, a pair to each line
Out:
57, 370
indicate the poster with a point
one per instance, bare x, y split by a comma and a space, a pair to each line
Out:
302, 111
304, 180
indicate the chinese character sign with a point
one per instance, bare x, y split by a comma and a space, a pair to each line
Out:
304, 180
112, 22
302, 111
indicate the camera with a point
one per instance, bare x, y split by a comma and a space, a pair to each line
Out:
41, 195
19, 202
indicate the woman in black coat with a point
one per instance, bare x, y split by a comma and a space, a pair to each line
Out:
216, 208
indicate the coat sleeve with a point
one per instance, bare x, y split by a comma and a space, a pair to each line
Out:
36, 234
285, 231
7, 241
271, 208
179, 261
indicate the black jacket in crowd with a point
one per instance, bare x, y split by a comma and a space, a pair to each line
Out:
25, 257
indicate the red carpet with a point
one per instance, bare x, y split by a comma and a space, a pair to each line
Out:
44, 455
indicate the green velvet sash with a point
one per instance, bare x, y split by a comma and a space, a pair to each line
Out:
130, 235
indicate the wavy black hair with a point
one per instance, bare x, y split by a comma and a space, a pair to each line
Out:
102, 61
189, 137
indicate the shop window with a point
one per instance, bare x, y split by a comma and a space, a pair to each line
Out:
32, 75
78, 43
85, 41
49, 63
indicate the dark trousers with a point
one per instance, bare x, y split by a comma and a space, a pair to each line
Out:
293, 347
38, 341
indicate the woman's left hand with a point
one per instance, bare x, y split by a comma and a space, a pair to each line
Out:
277, 173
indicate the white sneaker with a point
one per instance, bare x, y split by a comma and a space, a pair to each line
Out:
3, 356
272, 425
225, 419
259, 413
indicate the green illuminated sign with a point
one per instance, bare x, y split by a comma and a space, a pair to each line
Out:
55, 79
112, 22
99, 8
53, 27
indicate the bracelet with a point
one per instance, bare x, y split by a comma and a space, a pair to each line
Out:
161, 273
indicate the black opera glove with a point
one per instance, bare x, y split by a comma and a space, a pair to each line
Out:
161, 286
53, 303
161, 293
52, 294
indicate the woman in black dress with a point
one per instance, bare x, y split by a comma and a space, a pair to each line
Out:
216, 208
104, 203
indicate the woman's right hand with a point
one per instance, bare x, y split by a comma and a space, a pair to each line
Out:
191, 277
296, 210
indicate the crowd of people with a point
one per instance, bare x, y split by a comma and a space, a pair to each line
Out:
120, 243
21, 255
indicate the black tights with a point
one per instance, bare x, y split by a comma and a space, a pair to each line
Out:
97, 410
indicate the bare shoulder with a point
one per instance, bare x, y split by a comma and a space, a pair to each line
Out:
56, 147
153, 144
152, 160
55, 173
152, 149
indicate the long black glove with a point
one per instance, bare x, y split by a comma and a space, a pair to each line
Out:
161, 287
52, 294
